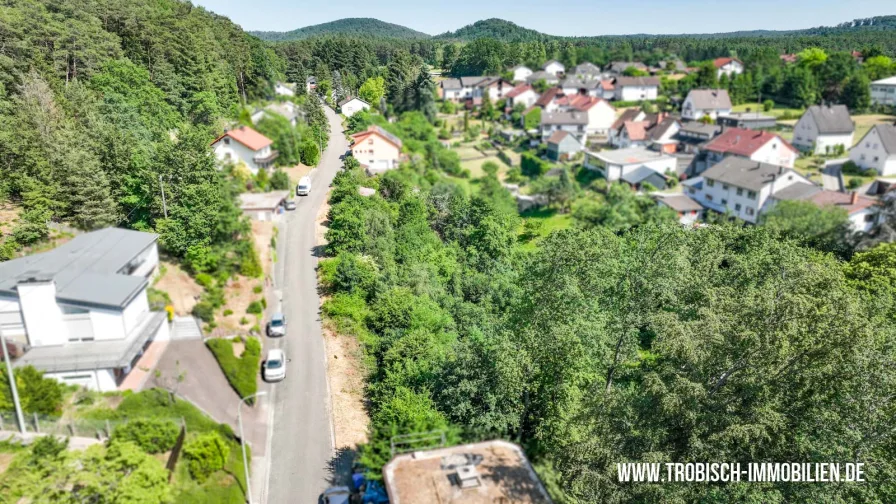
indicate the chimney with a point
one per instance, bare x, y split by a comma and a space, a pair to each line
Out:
242, 128
853, 198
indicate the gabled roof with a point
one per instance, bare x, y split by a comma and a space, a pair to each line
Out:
831, 120
680, 203
704, 99
745, 173
662, 127
560, 135
552, 62
541, 75
799, 191
743, 142
522, 88
887, 134
848, 201
248, 137
607, 85
570, 117
572, 82
720, 62
637, 81
376, 130
579, 101
343, 102
640, 174
636, 130
472, 81
627, 115
548, 96
450, 84
587, 68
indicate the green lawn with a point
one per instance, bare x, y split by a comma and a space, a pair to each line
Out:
545, 221
793, 113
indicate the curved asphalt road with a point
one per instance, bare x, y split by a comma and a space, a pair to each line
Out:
301, 442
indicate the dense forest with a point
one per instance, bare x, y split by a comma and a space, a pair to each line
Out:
619, 340
352, 27
105, 103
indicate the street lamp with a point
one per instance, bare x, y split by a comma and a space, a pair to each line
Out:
239, 416
12, 384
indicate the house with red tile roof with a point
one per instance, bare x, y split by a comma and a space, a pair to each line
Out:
524, 94
376, 149
862, 211
601, 114
247, 146
728, 66
755, 145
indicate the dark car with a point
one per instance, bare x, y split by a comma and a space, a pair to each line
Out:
289, 205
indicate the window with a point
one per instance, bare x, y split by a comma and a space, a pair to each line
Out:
691, 190
709, 197
724, 187
799, 139
790, 177
750, 211
710, 182
862, 157
869, 217
876, 158
740, 191
737, 207
724, 201
226, 141
370, 142
751, 194
875, 147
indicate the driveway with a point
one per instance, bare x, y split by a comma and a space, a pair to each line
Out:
302, 436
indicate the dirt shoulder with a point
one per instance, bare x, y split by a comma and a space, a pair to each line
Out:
345, 372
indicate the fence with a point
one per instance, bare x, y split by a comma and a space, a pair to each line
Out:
42, 424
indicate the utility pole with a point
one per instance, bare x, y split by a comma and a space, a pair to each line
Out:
12, 384
164, 203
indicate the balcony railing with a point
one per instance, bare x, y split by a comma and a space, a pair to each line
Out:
267, 158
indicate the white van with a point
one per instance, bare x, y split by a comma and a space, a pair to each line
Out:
304, 187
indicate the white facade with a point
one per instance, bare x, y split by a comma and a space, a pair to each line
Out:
613, 169
229, 150
576, 130
690, 112
731, 68
743, 203
521, 73
527, 98
354, 105
284, 90
806, 136
601, 117
775, 152
863, 220
870, 154
454, 94
883, 92
554, 67
636, 93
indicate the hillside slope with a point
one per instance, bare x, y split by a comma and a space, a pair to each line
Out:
494, 28
355, 27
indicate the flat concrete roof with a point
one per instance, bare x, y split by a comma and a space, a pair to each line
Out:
500, 468
262, 201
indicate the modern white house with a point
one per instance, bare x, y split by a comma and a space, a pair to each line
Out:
728, 66
822, 128
574, 122
80, 311
376, 149
877, 150
618, 164
706, 103
349, 106
554, 67
883, 91
245, 145
521, 73
284, 89
636, 88
744, 188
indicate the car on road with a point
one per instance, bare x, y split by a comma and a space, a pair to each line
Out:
304, 186
336, 495
289, 204
274, 367
277, 325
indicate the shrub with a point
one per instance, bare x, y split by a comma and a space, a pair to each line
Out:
854, 183
157, 298
37, 393
206, 454
228, 312
851, 168
354, 274
254, 308
279, 181
767, 105
241, 372
151, 435
205, 280
257, 289
244, 321
204, 311
47, 448
531, 166
264, 303
250, 265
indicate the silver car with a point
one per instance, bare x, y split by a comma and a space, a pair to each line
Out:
277, 325
274, 367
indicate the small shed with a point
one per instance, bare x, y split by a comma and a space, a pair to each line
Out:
267, 206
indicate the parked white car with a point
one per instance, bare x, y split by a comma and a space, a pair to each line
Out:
304, 186
274, 367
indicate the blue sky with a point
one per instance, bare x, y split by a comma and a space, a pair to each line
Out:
570, 17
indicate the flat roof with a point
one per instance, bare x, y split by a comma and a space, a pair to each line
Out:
631, 155
262, 201
85, 269
500, 468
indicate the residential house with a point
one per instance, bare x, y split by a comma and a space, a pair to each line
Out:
376, 149
743, 187
761, 146
728, 66
862, 211
310, 84
562, 146
554, 67
452, 90
822, 128
694, 135
587, 71
488, 472
675, 65
606, 89
877, 150
883, 91
523, 94
636, 88
618, 67
688, 210
287, 109
285, 89
541, 75
80, 310
705, 103
349, 106
263, 206
626, 164
601, 114
521, 73
496, 88
244, 144
747, 120
548, 100
574, 122
634, 128
572, 85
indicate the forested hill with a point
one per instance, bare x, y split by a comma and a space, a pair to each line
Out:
499, 29
355, 27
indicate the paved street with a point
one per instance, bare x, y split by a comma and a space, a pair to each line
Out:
302, 437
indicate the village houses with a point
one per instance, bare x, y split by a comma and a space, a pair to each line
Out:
761, 146
636, 88
822, 129
634, 165
876, 150
574, 122
247, 146
523, 94
728, 66
587, 71
349, 106
705, 103
521, 73
376, 149
883, 91
554, 67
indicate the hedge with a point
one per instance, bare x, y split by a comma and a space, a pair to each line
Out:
241, 372
206, 454
151, 435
